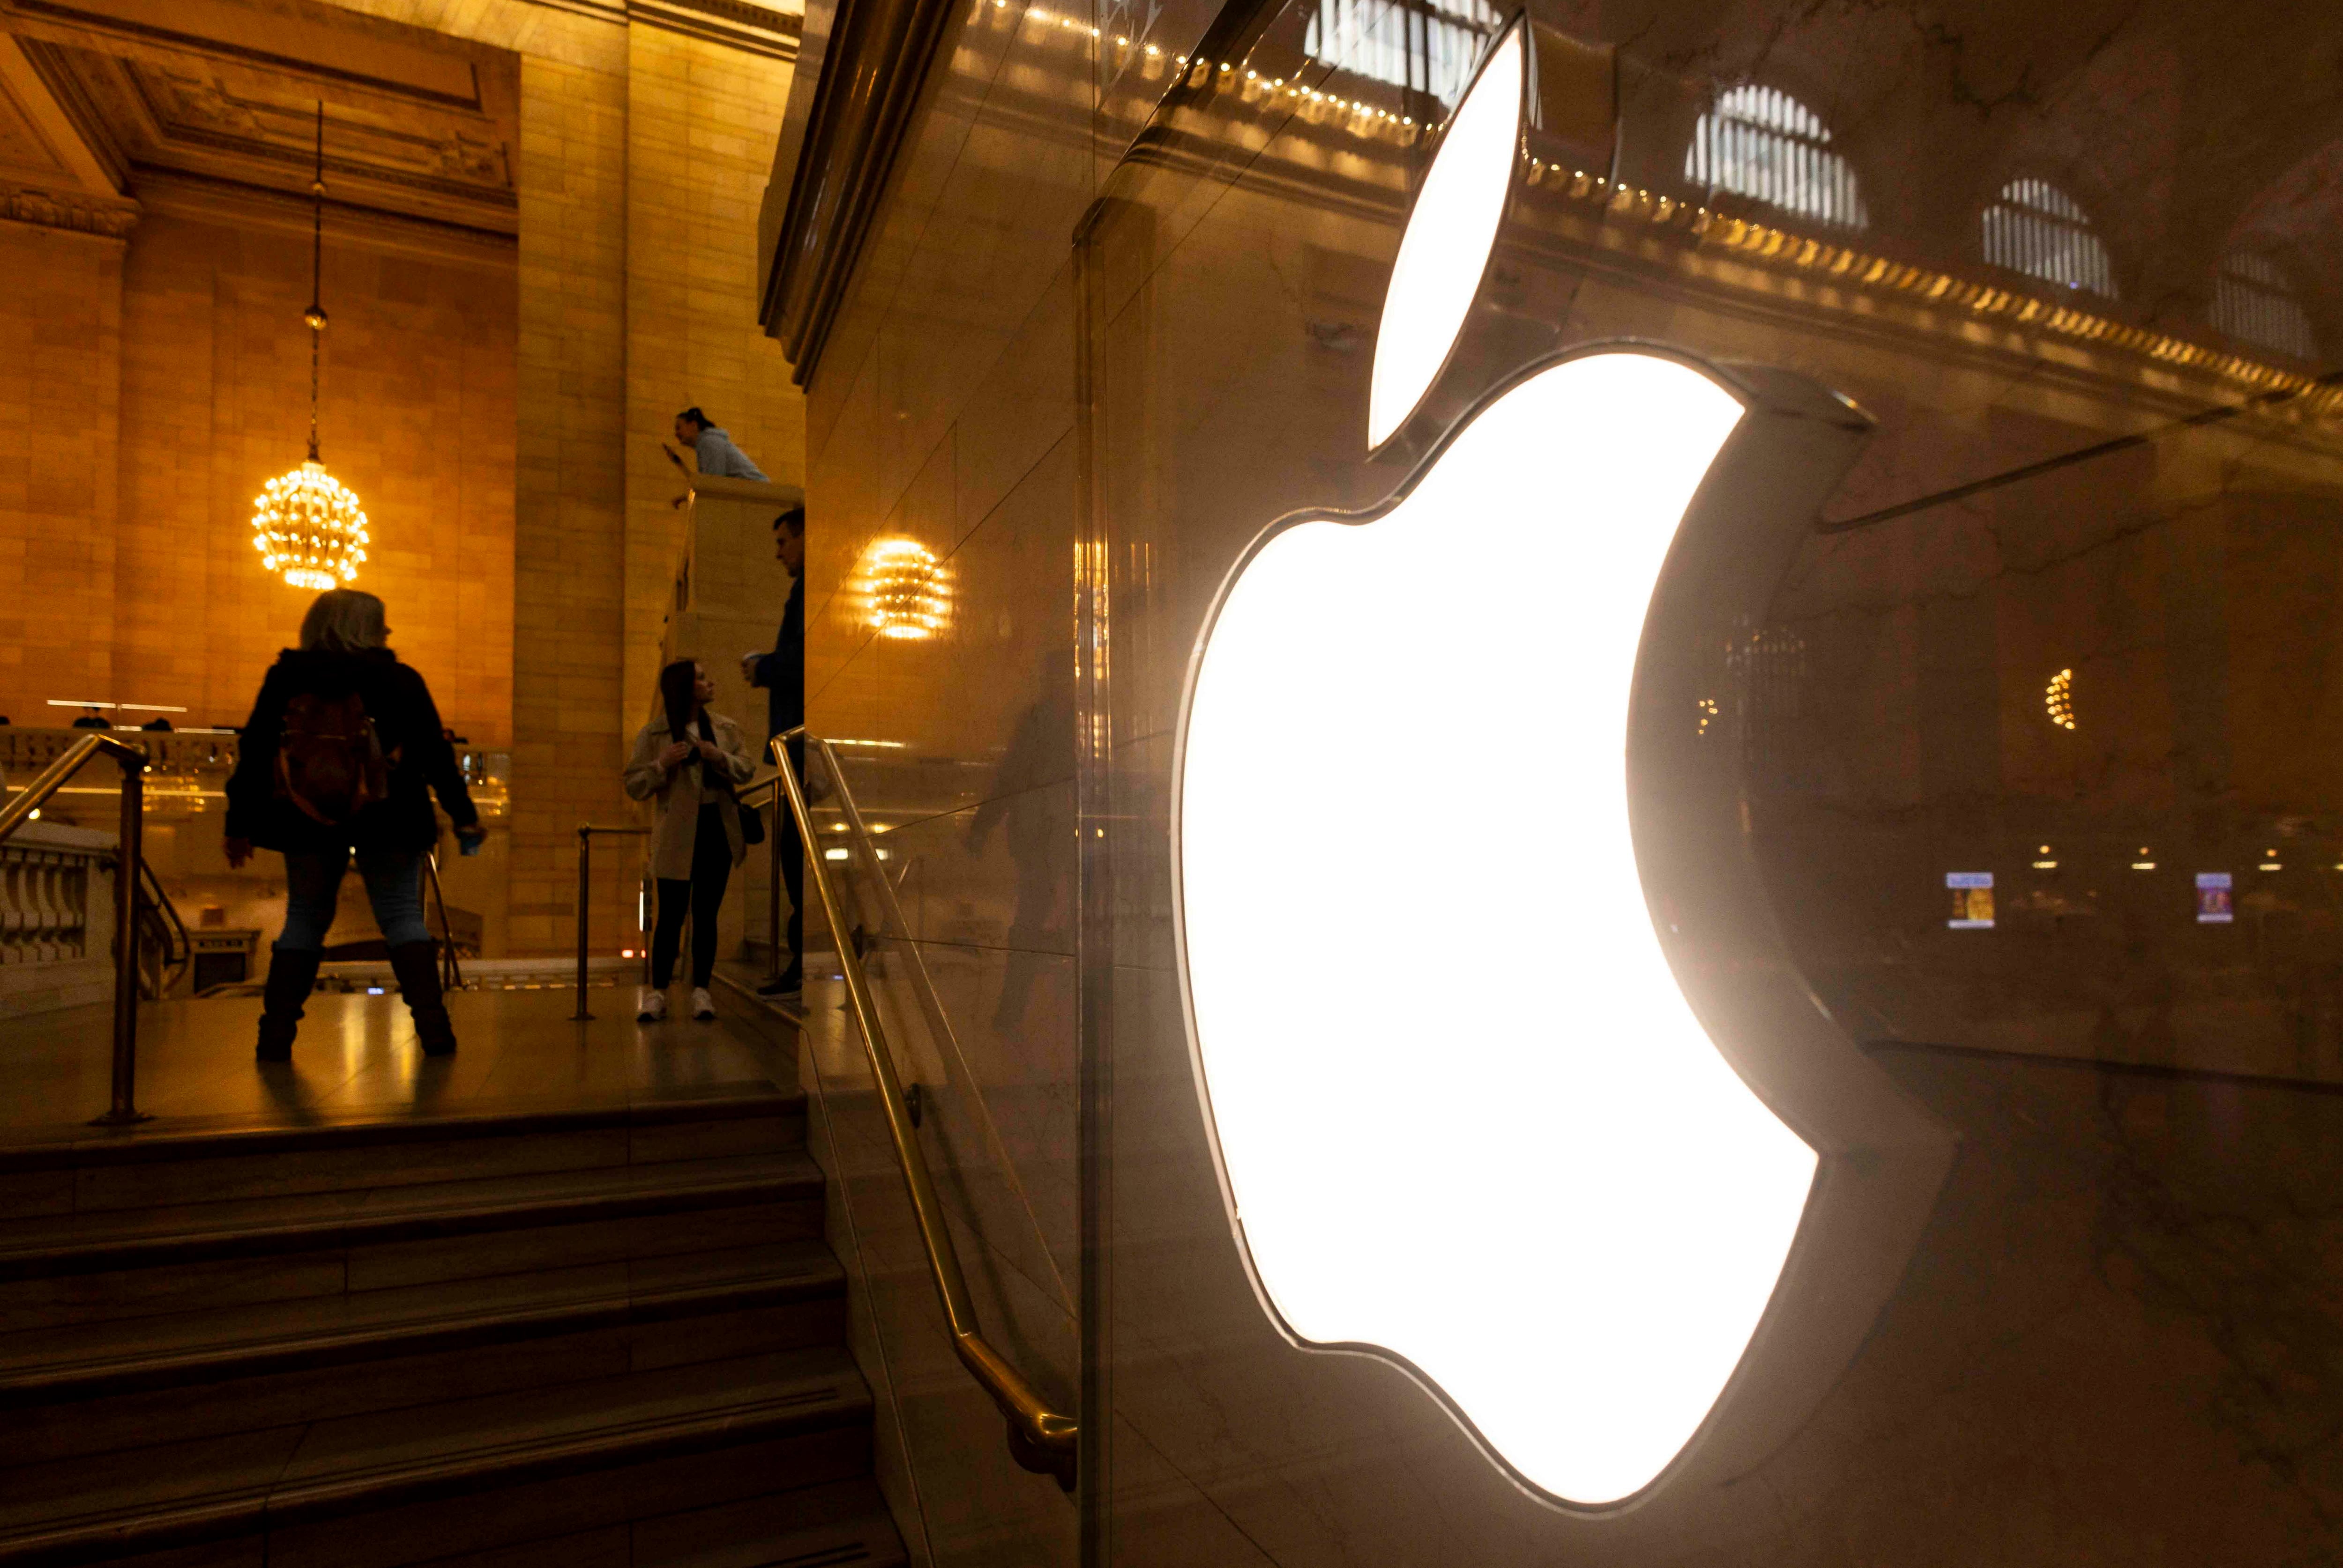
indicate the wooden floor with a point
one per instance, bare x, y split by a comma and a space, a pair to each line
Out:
356, 1060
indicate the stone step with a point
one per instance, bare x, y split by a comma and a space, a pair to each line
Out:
147, 1166
434, 1480
67, 1270
91, 1389
839, 1525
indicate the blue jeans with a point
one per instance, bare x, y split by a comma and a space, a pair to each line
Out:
313, 885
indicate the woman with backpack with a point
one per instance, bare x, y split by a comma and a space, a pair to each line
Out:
343, 751
689, 762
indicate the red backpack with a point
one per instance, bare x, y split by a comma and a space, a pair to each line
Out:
329, 760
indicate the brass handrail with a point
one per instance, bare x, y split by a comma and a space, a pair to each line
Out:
176, 950
129, 858
768, 792
1040, 1438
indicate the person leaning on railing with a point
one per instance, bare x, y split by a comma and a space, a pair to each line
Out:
343, 751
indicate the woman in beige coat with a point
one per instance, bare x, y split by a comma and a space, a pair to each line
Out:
689, 761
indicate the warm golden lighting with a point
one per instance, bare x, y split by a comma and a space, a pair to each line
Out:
903, 585
2058, 699
307, 525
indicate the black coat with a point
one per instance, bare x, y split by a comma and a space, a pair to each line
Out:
782, 671
405, 721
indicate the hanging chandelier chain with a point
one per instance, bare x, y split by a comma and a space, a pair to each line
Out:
317, 314
307, 525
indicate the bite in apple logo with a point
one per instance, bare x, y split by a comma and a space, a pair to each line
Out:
1510, 1080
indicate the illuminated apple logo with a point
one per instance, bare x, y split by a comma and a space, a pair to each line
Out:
1510, 1080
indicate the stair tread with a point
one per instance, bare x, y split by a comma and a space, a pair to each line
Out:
238, 1138
89, 1358
249, 1225
844, 1524
212, 1488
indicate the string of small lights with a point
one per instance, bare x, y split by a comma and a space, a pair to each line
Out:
2058, 699
1363, 118
1710, 228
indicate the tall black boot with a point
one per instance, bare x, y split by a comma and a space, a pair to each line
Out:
417, 965
291, 972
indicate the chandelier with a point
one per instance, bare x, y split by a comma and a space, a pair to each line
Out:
307, 525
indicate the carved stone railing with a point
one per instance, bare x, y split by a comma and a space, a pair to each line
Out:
190, 768
56, 918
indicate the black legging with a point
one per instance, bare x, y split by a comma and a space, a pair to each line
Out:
701, 898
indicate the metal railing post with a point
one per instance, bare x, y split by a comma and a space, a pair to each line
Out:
586, 832
126, 943
773, 889
585, 903
129, 866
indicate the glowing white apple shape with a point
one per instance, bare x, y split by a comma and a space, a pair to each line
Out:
1531, 1179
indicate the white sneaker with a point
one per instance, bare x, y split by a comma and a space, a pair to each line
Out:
654, 1007
703, 1006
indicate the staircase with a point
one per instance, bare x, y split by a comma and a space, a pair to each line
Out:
584, 1338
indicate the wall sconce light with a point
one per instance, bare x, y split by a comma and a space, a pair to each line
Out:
904, 590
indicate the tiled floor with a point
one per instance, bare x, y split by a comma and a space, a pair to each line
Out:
357, 1058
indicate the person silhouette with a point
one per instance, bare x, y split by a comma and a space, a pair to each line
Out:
1037, 824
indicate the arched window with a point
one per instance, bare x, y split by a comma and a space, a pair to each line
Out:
1430, 45
1761, 141
2038, 229
2253, 300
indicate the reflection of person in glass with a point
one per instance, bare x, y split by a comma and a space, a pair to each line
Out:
1032, 802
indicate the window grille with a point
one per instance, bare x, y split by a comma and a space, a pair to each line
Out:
2253, 300
1761, 141
1427, 46
2038, 229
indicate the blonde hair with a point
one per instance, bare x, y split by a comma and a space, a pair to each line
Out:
344, 620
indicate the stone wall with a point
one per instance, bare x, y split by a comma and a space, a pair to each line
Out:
59, 411
417, 419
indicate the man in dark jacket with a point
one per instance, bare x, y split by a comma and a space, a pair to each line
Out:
782, 675
389, 823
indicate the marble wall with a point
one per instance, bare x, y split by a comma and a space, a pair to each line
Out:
1108, 328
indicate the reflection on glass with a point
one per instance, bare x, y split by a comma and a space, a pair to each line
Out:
1761, 141
1426, 45
1972, 900
2038, 229
2214, 905
2253, 300
903, 590
2058, 699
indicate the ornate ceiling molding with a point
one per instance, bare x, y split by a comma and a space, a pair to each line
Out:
153, 113
112, 217
735, 24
